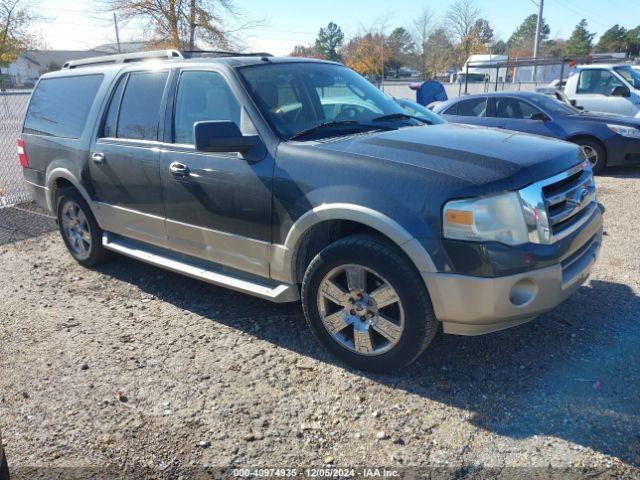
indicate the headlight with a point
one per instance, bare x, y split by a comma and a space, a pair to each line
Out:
498, 218
625, 131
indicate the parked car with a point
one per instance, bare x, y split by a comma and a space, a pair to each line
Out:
606, 139
230, 171
606, 88
418, 111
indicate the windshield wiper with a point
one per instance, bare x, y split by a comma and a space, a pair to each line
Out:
400, 116
329, 125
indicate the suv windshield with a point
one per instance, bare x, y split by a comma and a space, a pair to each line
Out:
630, 75
320, 99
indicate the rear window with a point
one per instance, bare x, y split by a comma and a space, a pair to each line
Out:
60, 106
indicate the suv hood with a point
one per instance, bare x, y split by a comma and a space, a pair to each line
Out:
475, 155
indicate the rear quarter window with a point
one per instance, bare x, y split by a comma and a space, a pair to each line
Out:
60, 106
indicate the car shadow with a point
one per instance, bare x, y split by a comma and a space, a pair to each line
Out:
573, 373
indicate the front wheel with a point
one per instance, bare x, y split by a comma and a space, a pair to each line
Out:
366, 303
595, 153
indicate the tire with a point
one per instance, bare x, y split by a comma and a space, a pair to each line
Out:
397, 333
79, 229
593, 147
4, 468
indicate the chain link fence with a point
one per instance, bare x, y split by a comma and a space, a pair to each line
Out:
13, 189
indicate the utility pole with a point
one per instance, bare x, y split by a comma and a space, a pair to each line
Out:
115, 22
536, 45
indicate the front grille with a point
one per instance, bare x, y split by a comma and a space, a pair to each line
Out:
569, 201
558, 206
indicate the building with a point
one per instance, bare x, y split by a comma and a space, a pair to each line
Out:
28, 67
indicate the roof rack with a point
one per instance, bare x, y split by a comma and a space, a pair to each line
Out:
156, 55
124, 58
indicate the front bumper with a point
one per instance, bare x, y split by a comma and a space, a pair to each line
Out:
622, 150
468, 305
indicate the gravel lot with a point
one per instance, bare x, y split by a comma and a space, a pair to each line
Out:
134, 369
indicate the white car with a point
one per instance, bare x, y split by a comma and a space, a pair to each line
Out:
606, 88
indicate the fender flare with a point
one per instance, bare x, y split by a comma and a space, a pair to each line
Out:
61, 172
283, 258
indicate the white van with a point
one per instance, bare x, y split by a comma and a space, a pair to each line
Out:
606, 88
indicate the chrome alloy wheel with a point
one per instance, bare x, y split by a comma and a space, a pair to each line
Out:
76, 228
360, 309
591, 154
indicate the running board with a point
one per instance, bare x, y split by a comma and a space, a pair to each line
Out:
214, 274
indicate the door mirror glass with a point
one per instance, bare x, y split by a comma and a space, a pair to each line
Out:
222, 136
620, 91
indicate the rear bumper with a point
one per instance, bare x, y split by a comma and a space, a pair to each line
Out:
468, 305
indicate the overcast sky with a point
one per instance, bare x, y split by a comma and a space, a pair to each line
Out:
78, 25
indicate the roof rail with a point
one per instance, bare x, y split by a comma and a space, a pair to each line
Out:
220, 53
124, 58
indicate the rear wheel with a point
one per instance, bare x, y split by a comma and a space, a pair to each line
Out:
595, 153
366, 303
80, 231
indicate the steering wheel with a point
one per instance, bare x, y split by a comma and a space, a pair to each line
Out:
348, 113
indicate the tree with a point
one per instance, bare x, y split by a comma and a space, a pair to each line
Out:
439, 53
613, 40
523, 38
633, 42
461, 18
580, 42
15, 19
401, 47
362, 53
176, 23
328, 41
499, 48
306, 52
422, 27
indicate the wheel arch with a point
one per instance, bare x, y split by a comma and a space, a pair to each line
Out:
61, 177
329, 222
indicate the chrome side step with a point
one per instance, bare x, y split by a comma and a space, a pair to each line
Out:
214, 274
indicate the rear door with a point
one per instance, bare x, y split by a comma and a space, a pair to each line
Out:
472, 111
220, 209
124, 165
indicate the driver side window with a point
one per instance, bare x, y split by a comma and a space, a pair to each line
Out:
202, 96
597, 81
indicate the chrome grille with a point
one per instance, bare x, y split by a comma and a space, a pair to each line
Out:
558, 206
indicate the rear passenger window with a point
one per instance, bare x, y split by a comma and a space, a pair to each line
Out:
109, 128
202, 96
60, 106
140, 106
474, 107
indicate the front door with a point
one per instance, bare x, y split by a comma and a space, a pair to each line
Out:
124, 167
518, 115
218, 205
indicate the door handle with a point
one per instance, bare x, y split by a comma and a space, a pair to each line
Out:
98, 158
179, 170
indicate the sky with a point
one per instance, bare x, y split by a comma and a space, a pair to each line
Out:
79, 25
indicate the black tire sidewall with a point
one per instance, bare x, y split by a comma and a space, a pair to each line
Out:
420, 323
4, 467
97, 252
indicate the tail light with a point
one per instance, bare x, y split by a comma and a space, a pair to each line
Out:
22, 154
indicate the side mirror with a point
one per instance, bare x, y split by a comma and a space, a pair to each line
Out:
620, 91
539, 116
222, 136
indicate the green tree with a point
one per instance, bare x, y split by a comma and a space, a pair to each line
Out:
613, 40
401, 47
16, 17
499, 48
524, 36
328, 41
302, 51
633, 42
580, 42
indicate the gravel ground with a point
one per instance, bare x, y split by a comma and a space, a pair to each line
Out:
135, 369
